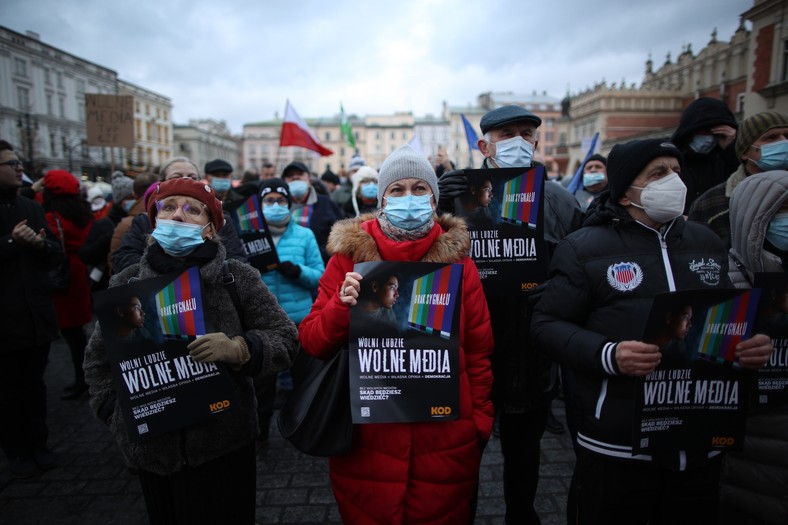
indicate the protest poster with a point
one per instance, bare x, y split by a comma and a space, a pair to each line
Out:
147, 325
504, 211
404, 343
255, 236
698, 396
109, 120
773, 321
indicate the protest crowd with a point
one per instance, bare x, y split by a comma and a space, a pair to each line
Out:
186, 279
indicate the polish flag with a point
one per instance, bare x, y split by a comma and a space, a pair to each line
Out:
295, 132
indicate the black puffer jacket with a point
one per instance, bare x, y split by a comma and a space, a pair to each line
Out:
701, 171
591, 303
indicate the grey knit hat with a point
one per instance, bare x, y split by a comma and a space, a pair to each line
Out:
406, 163
122, 187
755, 126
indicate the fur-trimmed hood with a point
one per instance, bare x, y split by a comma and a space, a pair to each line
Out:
354, 239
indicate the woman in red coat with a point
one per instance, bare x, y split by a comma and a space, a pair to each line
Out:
63, 204
407, 472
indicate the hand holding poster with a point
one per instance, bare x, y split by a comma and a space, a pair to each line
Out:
255, 235
697, 397
504, 211
404, 342
147, 326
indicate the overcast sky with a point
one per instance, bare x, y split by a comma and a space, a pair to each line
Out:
239, 61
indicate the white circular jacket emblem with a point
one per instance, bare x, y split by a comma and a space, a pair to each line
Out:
624, 276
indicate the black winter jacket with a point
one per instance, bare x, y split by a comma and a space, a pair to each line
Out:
27, 315
590, 304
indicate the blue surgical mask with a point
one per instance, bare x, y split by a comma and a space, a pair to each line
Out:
127, 205
777, 232
298, 188
178, 239
220, 184
774, 156
276, 213
703, 143
409, 212
593, 178
515, 152
370, 191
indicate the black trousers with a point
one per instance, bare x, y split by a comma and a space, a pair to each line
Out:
219, 491
636, 492
521, 435
23, 401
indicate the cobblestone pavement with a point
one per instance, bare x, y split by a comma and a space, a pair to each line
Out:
91, 484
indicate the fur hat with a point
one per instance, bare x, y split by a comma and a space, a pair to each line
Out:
627, 160
122, 187
755, 126
189, 188
275, 185
364, 172
61, 182
406, 163
505, 115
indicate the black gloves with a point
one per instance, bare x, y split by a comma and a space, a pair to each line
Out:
451, 185
288, 269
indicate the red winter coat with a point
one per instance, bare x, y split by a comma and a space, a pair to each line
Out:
72, 305
408, 472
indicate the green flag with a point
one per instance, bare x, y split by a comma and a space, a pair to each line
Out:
345, 129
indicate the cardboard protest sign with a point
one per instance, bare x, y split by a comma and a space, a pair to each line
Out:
109, 120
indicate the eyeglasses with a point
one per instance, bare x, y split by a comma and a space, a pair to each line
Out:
191, 212
13, 163
271, 201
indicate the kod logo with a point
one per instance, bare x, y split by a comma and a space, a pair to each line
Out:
528, 286
219, 405
720, 441
440, 411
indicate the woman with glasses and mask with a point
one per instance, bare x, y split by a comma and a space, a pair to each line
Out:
204, 473
407, 472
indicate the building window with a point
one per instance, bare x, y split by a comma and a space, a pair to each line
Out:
60, 80
47, 76
784, 74
61, 102
81, 111
328, 136
392, 135
52, 142
20, 67
147, 110
50, 107
740, 103
23, 98
80, 87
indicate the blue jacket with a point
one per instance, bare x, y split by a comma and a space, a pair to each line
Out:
297, 245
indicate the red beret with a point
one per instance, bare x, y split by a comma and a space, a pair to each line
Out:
189, 188
61, 182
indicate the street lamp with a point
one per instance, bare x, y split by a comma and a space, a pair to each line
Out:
28, 129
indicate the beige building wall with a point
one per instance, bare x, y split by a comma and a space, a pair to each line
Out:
153, 136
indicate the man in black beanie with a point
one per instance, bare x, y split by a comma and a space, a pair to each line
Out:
591, 318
